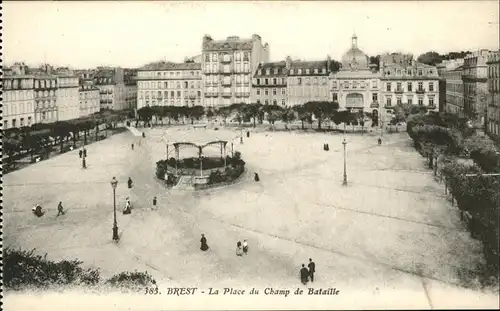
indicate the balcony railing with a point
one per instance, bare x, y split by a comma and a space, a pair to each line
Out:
374, 104
226, 82
388, 106
227, 94
420, 91
226, 60
398, 91
226, 72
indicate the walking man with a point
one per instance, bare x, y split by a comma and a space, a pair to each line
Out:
312, 269
84, 152
132, 146
245, 247
80, 153
154, 203
304, 275
60, 209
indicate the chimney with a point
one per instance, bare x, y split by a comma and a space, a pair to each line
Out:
328, 63
288, 61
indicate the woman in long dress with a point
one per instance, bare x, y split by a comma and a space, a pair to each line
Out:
239, 249
204, 245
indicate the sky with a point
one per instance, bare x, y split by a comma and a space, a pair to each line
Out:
131, 34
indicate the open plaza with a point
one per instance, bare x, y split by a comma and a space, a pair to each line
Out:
391, 228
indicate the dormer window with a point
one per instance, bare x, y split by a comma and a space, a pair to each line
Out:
260, 72
307, 71
291, 71
388, 72
268, 71
300, 71
275, 71
324, 70
316, 70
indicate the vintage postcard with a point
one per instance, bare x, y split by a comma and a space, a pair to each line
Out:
259, 155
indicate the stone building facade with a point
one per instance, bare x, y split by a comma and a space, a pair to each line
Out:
228, 67
493, 102
18, 101
269, 84
169, 84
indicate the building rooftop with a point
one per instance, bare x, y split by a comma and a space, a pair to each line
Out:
280, 66
170, 66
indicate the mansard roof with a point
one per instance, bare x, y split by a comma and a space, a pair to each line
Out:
164, 66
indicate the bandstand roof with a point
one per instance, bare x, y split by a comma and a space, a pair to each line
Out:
200, 136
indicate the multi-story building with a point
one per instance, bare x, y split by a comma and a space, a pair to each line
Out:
228, 67
116, 88
46, 107
169, 84
269, 85
307, 81
18, 101
493, 102
409, 83
68, 99
356, 86
452, 73
89, 99
475, 79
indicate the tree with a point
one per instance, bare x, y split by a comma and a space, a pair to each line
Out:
196, 112
430, 58
273, 113
252, 111
303, 114
287, 115
210, 113
320, 109
145, 114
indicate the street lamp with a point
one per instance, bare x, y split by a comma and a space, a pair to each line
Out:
114, 183
344, 142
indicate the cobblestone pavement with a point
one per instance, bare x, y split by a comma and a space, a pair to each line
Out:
389, 229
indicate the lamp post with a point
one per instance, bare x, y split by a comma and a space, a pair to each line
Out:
241, 136
344, 142
114, 183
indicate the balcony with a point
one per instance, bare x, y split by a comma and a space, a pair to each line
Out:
227, 94
420, 91
399, 91
226, 72
226, 82
388, 106
374, 104
226, 59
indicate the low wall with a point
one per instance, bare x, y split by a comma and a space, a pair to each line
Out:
222, 184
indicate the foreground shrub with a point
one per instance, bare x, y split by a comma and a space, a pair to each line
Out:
24, 269
131, 280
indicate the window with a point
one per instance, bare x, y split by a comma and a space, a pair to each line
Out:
398, 100
335, 97
374, 83
266, 101
398, 86
431, 102
274, 91
266, 91
266, 81
410, 101
299, 81
275, 71
159, 93
246, 58
420, 72
307, 71
29, 121
283, 102
420, 101
324, 70
388, 87
275, 102
374, 97
214, 57
172, 94
409, 86
21, 122
420, 86
316, 70
274, 81
283, 91
258, 81
291, 71
300, 71
431, 86
207, 57
165, 93
355, 85
388, 101
258, 91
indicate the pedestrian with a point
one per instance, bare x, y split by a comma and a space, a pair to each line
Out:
80, 153
132, 146
60, 209
143, 135
204, 246
380, 141
327, 147
84, 152
129, 182
256, 177
312, 269
304, 275
239, 250
245, 247
154, 203
248, 134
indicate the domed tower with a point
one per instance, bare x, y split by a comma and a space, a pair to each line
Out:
354, 59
